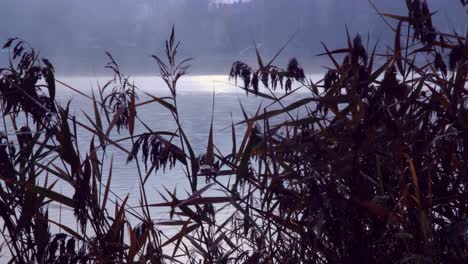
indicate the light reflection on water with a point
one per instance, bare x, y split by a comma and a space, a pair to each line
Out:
195, 103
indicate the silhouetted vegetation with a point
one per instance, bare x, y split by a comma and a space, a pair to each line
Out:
373, 169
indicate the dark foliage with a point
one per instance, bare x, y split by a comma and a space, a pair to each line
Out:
276, 76
421, 20
457, 56
371, 169
122, 94
20, 83
159, 151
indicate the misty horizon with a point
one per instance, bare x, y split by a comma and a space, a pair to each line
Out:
74, 35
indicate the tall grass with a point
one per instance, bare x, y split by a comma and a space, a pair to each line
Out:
373, 171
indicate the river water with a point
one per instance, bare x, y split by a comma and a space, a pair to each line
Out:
195, 101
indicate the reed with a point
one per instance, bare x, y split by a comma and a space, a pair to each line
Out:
374, 170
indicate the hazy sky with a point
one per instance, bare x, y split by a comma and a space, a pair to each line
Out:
79, 31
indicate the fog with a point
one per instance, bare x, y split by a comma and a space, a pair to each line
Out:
74, 34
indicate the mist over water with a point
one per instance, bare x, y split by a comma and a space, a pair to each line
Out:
80, 37
75, 34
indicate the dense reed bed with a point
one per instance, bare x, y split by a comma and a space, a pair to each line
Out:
373, 170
